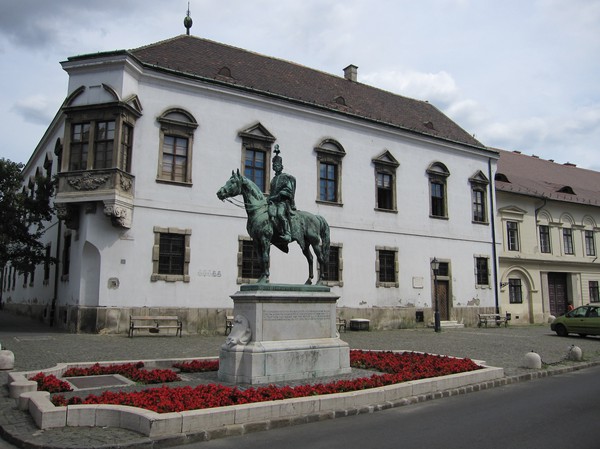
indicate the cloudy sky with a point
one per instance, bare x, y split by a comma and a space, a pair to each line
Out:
518, 74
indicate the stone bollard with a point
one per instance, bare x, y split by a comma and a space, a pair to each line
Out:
532, 360
7, 359
575, 354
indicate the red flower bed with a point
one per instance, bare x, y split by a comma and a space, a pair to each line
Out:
197, 366
131, 371
50, 383
396, 368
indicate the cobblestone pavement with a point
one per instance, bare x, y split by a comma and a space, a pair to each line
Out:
37, 346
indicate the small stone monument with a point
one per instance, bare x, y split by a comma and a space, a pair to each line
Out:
7, 359
282, 332
532, 360
575, 354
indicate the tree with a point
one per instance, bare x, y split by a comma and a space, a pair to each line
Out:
23, 218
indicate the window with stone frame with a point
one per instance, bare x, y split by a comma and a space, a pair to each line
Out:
104, 140
482, 271
438, 204
545, 243
257, 143
515, 293
126, 148
594, 292
256, 167
94, 134
568, 241
334, 266
512, 236
249, 268
171, 254
590, 243
329, 168
385, 181
479, 185
386, 267
177, 128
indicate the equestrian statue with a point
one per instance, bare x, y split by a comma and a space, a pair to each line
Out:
274, 220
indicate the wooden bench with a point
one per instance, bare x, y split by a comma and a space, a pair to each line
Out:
341, 323
492, 318
228, 324
154, 324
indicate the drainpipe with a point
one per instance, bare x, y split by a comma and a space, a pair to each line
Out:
537, 210
493, 221
56, 276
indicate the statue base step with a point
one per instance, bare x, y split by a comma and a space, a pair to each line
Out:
276, 361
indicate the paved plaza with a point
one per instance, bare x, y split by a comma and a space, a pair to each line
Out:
37, 346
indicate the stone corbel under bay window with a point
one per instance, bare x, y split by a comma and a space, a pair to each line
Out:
120, 213
69, 213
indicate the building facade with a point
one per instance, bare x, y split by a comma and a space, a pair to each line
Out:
146, 137
549, 215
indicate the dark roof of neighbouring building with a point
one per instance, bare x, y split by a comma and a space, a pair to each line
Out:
234, 67
532, 176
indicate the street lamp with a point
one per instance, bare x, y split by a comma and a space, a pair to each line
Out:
435, 267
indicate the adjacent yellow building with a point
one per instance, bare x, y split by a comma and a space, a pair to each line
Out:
548, 214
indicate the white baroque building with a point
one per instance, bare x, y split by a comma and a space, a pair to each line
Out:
146, 137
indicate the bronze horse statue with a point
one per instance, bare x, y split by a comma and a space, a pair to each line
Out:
308, 230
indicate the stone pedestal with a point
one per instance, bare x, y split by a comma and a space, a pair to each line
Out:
7, 360
282, 333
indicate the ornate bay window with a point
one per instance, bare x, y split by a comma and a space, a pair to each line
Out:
95, 159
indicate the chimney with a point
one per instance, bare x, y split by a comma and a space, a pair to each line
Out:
350, 72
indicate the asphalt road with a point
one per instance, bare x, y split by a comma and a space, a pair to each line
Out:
552, 413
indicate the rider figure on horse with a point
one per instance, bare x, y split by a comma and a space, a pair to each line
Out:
281, 198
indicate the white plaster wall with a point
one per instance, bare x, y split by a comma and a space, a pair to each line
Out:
216, 226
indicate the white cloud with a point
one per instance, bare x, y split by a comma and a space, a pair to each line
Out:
518, 75
35, 109
437, 88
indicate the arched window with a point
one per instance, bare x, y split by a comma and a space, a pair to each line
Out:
438, 205
176, 143
479, 183
329, 164
385, 181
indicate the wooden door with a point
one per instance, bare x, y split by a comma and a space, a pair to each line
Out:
443, 300
557, 293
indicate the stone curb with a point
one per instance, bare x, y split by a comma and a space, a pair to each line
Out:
164, 430
153, 424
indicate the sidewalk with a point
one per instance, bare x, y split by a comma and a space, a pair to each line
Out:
37, 346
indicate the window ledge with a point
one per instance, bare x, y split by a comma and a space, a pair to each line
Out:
480, 222
388, 284
170, 277
329, 203
389, 211
333, 283
438, 217
176, 183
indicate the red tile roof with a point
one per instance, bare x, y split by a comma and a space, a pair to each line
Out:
234, 67
530, 175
